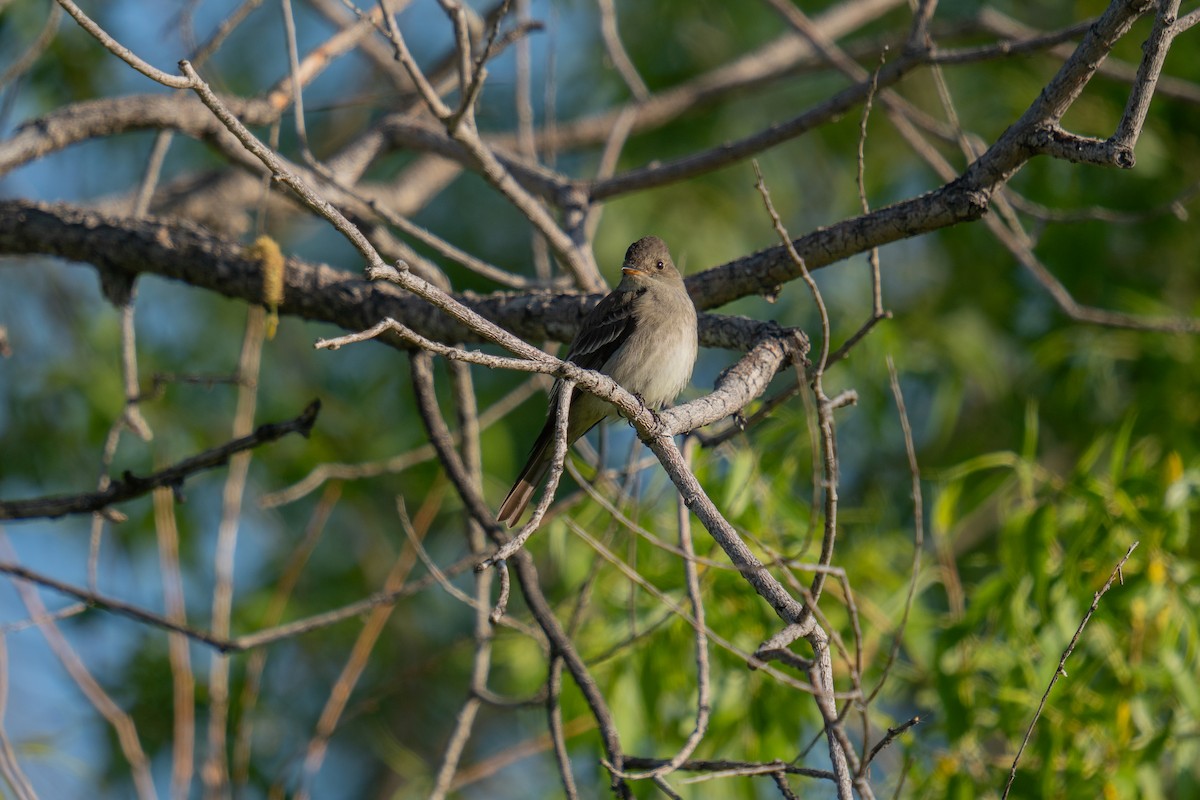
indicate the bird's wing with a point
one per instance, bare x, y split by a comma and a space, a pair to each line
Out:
604, 330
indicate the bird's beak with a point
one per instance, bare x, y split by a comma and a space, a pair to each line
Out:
628, 270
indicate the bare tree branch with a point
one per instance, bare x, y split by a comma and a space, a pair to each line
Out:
1061, 669
131, 486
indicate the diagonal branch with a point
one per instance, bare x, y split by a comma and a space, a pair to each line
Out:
237, 644
131, 486
1061, 669
122, 52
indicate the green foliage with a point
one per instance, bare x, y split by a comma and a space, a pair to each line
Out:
1050, 541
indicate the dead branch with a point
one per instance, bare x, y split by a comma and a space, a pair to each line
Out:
131, 486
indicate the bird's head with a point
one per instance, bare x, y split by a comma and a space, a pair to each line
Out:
648, 261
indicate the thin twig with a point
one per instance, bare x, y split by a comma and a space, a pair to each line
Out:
558, 732
183, 678
703, 670
521, 750
914, 470
485, 619
130, 486
1061, 670
323, 473
74, 609
26, 60
405, 57
677, 610
120, 720
122, 52
150, 177
731, 768
257, 662
828, 438
820, 670
618, 55
10, 767
227, 26
888, 738
1007, 229
238, 644
360, 652
215, 771
460, 125
526, 573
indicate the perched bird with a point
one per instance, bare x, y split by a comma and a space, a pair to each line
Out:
642, 335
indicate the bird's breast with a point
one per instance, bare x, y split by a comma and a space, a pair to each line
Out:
661, 364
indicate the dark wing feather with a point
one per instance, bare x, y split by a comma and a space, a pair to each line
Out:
603, 330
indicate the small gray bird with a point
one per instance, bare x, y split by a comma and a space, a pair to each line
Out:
642, 335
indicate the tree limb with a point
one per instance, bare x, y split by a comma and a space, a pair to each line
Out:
131, 486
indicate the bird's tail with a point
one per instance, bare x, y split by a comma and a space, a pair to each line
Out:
535, 469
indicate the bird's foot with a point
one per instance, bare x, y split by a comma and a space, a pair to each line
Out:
656, 425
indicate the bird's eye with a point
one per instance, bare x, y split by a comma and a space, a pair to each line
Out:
660, 265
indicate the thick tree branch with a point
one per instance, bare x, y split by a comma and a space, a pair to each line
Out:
188, 253
963, 199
